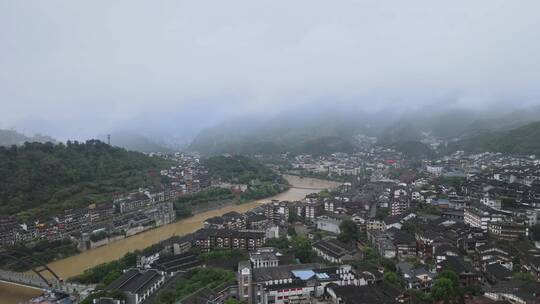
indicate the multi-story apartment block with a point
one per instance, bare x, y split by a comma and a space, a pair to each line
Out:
480, 217
312, 210
230, 220
399, 206
277, 212
209, 239
308, 211
510, 231
375, 225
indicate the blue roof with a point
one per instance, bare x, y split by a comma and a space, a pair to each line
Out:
322, 275
303, 274
443, 201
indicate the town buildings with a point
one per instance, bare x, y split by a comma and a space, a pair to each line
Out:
334, 251
277, 212
210, 239
138, 285
290, 283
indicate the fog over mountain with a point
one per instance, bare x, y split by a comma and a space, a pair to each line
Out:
168, 69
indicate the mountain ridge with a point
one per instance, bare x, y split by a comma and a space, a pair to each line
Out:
286, 132
12, 137
522, 140
298, 132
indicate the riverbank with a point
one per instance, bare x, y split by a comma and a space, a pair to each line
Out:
194, 210
75, 265
337, 178
48, 253
14, 293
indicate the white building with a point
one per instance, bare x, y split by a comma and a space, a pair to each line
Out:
329, 224
480, 218
264, 257
298, 283
491, 202
434, 170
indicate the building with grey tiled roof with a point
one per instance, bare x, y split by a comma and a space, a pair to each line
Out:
138, 285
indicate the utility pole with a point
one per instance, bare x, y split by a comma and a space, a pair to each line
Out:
109, 139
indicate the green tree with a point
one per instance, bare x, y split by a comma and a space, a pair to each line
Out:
324, 194
222, 255
240, 169
182, 211
410, 227
443, 290
388, 264
474, 290
370, 255
452, 276
293, 217
69, 176
280, 243
348, 231
194, 280
524, 276
419, 297
391, 278
302, 249
111, 277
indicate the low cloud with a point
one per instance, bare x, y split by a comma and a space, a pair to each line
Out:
75, 69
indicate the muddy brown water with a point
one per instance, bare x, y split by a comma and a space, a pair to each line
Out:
74, 265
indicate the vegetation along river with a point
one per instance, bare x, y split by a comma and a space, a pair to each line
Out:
76, 264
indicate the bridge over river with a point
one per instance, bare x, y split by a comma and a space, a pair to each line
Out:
75, 265
40, 277
34, 281
308, 188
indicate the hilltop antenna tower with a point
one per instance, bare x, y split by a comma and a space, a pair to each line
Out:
109, 139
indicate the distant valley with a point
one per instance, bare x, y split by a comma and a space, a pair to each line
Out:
326, 133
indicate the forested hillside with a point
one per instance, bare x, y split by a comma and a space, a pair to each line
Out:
303, 132
40, 179
239, 169
326, 132
262, 182
522, 140
456, 123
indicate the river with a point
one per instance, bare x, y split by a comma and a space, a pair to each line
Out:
76, 264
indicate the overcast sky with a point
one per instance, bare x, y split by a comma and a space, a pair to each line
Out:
78, 68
